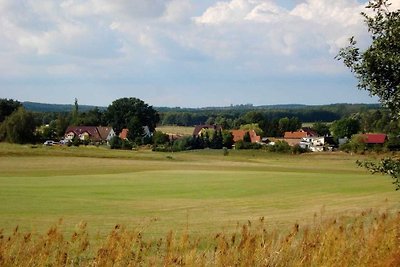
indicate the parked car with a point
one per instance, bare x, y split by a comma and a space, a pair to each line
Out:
49, 143
65, 142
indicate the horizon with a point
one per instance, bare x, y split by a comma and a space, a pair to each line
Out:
182, 53
209, 107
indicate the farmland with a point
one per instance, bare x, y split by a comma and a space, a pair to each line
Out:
201, 191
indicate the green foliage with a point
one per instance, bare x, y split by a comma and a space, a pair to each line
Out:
18, 128
247, 138
345, 127
227, 139
93, 117
297, 149
132, 113
252, 126
246, 145
280, 147
7, 107
322, 129
356, 144
160, 138
115, 142
217, 141
386, 166
378, 67
288, 125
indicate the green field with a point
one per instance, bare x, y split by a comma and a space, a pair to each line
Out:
202, 191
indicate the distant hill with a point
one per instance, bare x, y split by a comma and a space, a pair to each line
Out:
43, 107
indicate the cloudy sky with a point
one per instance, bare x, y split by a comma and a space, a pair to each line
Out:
186, 53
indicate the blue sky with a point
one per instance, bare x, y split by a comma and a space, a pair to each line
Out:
179, 52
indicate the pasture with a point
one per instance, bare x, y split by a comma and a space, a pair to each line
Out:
202, 192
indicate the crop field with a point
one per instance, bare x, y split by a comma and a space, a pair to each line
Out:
201, 192
179, 130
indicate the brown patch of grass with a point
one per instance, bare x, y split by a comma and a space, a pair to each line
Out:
368, 239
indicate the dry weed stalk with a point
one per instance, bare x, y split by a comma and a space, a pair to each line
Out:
369, 239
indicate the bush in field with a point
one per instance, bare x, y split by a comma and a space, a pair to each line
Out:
246, 145
297, 149
356, 145
280, 147
160, 138
116, 142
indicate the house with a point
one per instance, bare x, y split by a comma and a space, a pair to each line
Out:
295, 138
302, 133
89, 133
199, 129
374, 138
238, 135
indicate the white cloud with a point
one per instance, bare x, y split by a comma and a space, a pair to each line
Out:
161, 39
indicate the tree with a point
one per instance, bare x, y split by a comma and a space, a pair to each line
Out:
7, 107
321, 128
75, 113
18, 128
160, 138
345, 127
132, 113
378, 67
378, 70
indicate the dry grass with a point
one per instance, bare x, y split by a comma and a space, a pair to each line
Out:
371, 238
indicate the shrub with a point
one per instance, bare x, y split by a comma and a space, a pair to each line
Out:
116, 143
280, 147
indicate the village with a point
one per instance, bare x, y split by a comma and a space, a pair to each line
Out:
306, 138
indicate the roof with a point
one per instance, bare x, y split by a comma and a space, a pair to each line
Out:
295, 135
104, 132
124, 134
95, 133
309, 131
374, 138
199, 128
238, 135
91, 130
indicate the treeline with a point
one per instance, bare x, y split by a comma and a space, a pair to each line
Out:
232, 117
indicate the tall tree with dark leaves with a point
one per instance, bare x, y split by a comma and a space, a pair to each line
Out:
7, 107
132, 113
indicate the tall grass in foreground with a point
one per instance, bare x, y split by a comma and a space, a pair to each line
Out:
368, 239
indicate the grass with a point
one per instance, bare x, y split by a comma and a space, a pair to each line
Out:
179, 130
199, 191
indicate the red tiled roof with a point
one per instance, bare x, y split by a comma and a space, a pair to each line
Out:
124, 134
374, 138
91, 130
238, 135
295, 135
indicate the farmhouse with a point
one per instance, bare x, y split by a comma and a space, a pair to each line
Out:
89, 133
238, 135
294, 138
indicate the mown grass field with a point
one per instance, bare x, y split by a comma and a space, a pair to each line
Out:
200, 191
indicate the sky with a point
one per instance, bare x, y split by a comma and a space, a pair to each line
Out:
185, 53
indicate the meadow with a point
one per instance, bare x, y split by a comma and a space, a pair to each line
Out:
199, 193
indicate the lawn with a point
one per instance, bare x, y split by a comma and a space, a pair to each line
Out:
202, 191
